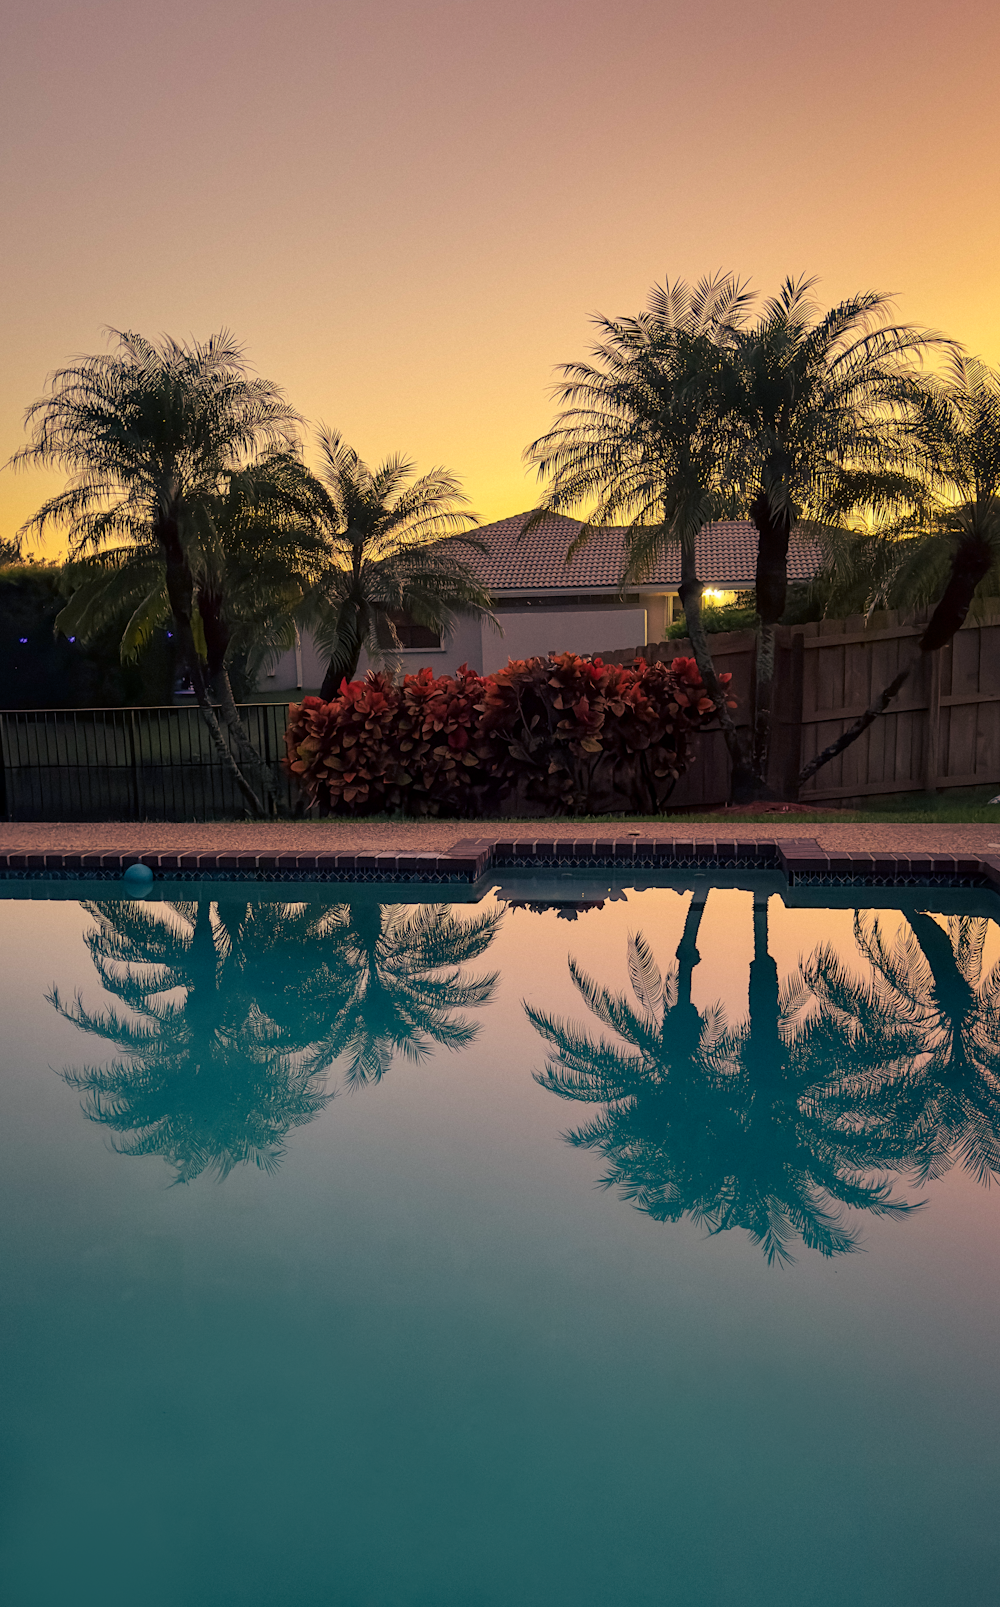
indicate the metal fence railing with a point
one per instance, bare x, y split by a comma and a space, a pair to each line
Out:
129, 764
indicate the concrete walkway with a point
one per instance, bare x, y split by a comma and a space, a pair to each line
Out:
436, 836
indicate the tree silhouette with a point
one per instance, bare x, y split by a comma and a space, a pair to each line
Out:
643, 438
152, 435
820, 397
946, 551
389, 545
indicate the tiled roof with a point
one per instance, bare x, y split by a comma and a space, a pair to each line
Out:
727, 556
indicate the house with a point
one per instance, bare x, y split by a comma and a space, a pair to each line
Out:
545, 604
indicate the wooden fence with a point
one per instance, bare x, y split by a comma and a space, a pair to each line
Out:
942, 731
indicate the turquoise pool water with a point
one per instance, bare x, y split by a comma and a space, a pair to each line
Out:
309, 1299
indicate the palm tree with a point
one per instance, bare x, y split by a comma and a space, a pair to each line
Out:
151, 434
404, 984
751, 1127
385, 554
644, 438
253, 555
948, 548
929, 987
207, 1072
821, 399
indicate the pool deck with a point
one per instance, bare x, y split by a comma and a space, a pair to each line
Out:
343, 850
437, 836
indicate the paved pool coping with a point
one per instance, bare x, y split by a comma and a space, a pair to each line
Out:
803, 860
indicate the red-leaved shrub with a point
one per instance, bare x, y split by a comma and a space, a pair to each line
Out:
543, 736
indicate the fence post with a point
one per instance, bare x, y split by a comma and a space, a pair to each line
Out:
785, 756
138, 801
5, 808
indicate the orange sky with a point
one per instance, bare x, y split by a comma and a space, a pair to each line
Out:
408, 209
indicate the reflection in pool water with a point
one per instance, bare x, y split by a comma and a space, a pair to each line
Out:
764, 1125
781, 1124
930, 1042
777, 1124
235, 1011
389, 1346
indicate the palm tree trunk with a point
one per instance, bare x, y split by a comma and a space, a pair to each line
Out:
877, 706
217, 640
180, 592
255, 763
773, 532
690, 593
343, 668
764, 1046
687, 954
954, 996
336, 673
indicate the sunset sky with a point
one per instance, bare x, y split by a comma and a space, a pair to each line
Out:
408, 210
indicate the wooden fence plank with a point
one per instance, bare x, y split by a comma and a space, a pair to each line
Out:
839, 666
932, 738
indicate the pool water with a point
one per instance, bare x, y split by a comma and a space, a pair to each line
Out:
582, 1246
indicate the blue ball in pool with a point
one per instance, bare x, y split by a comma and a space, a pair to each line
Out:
139, 876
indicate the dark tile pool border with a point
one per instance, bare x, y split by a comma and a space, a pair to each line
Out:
469, 860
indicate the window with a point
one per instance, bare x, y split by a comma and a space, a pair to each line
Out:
412, 635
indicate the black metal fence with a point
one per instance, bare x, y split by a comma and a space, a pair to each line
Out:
129, 764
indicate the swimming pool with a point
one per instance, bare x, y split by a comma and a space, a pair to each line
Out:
573, 1245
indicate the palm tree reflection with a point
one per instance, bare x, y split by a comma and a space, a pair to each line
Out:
227, 1016
396, 984
941, 1076
757, 1126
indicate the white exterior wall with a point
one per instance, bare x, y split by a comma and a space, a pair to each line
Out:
285, 677
532, 632
528, 632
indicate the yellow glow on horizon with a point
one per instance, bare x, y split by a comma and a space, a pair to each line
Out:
409, 212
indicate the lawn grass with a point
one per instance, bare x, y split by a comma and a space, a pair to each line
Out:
914, 809
952, 816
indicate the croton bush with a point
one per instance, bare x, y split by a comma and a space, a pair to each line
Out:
544, 736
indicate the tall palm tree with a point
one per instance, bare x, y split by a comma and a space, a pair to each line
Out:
384, 553
207, 1073
150, 434
644, 439
750, 1127
947, 549
253, 555
822, 400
